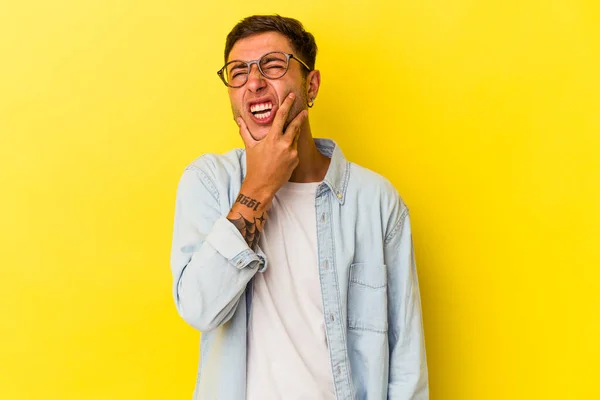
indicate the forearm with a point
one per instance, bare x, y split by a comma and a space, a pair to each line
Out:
249, 212
210, 259
215, 277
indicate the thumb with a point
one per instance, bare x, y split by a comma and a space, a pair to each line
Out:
249, 141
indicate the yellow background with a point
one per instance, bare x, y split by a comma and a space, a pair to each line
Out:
484, 114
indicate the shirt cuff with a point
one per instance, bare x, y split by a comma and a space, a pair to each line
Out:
226, 239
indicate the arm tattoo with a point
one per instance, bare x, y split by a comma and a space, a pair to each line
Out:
249, 229
248, 202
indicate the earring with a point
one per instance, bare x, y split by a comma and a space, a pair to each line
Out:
311, 102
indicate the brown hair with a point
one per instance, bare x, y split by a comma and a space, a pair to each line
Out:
302, 41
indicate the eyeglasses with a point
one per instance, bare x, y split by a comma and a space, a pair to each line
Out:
272, 65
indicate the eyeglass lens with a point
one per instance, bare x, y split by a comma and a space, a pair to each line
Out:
271, 65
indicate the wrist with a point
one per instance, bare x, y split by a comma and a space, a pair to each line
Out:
258, 193
254, 200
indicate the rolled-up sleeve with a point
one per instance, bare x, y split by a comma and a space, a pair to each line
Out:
226, 239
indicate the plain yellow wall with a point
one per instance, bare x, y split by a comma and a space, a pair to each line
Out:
484, 114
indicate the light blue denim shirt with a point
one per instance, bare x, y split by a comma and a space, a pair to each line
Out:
367, 272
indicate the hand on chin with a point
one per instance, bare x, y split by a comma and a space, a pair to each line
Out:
259, 132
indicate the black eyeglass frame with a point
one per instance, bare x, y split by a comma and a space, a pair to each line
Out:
288, 56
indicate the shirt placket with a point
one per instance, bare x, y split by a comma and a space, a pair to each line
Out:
334, 324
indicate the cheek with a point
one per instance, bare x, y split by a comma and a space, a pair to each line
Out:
236, 102
285, 88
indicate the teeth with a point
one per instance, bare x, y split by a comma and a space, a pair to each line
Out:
263, 115
261, 107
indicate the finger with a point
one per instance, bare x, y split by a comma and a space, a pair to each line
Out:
292, 132
296, 138
282, 114
249, 141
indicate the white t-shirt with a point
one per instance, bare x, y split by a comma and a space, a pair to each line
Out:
288, 357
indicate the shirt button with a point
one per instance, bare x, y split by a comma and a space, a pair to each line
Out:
332, 317
323, 217
339, 195
339, 370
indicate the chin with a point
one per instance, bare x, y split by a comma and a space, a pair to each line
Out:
260, 132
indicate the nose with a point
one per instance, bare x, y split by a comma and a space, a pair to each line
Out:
256, 81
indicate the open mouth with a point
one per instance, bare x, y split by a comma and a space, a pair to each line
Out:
262, 111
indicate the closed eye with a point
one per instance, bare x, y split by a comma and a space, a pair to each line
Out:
237, 68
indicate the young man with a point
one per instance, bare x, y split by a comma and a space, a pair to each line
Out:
296, 264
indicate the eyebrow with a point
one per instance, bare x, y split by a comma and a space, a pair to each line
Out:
272, 57
237, 65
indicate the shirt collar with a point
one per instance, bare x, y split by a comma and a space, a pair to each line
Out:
338, 172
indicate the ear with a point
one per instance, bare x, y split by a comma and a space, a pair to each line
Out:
313, 82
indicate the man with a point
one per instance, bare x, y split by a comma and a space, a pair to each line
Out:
296, 265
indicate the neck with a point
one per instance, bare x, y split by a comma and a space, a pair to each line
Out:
313, 165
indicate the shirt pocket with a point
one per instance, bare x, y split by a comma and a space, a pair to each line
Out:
367, 297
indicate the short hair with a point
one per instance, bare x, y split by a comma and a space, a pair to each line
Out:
302, 42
